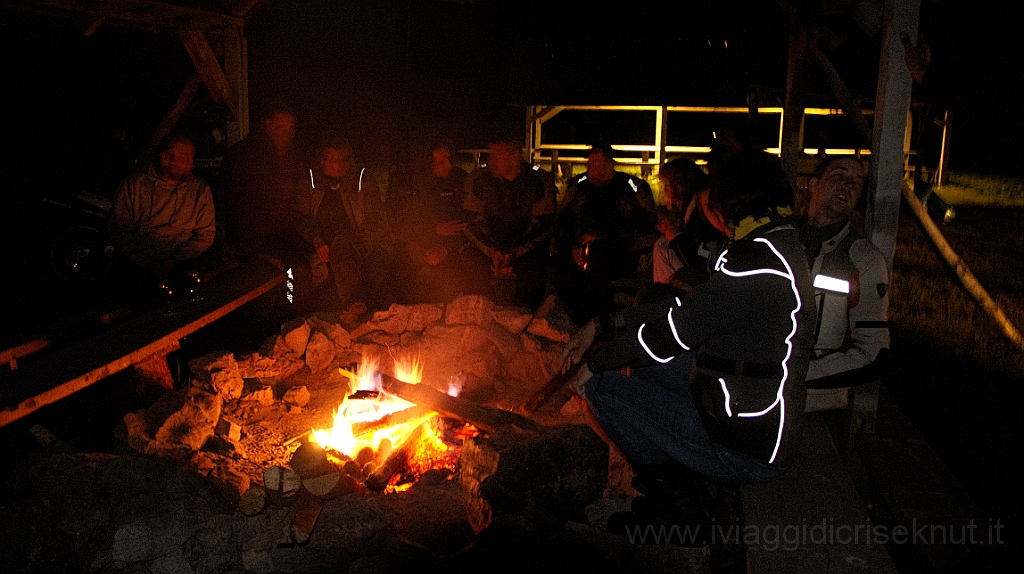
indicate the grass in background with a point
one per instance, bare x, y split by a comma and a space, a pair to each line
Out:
969, 189
955, 374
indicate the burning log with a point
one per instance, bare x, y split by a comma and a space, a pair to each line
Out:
396, 462
487, 419
393, 419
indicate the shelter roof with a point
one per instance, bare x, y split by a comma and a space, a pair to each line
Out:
164, 17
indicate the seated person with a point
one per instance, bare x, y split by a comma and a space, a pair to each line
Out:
605, 223
851, 281
680, 254
716, 377
162, 218
511, 227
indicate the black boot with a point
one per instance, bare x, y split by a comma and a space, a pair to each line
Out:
670, 512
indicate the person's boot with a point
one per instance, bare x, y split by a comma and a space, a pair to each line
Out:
671, 510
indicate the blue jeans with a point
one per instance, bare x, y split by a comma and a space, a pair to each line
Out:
652, 418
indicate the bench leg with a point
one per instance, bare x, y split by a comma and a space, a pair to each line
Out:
864, 406
153, 373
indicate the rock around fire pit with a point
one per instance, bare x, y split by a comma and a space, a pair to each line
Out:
223, 477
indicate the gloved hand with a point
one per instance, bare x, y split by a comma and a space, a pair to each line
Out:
579, 382
578, 344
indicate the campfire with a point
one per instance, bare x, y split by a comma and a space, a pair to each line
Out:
374, 421
389, 440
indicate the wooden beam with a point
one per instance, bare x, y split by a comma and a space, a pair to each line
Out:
842, 93
92, 25
242, 7
209, 69
188, 93
892, 102
147, 15
483, 417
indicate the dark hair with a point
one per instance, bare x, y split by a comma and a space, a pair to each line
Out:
602, 147
685, 177
336, 143
751, 183
168, 141
823, 165
271, 108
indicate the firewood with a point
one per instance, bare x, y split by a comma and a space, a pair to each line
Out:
485, 418
322, 486
253, 501
282, 481
302, 516
310, 460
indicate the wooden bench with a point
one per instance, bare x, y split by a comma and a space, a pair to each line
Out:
812, 519
142, 342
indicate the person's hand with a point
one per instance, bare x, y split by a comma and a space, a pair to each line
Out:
501, 263
579, 382
578, 345
434, 257
917, 58
450, 228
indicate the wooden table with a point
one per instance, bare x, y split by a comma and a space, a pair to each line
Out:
142, 342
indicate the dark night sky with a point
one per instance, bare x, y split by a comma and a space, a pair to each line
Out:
388, 71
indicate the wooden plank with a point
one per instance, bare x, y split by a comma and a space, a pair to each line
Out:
130, 343
236, 69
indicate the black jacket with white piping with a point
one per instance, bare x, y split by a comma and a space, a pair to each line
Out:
750, 326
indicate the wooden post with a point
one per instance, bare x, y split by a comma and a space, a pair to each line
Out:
154, 372
793, 115
892, 100
662, 135
943, 172
236, 69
